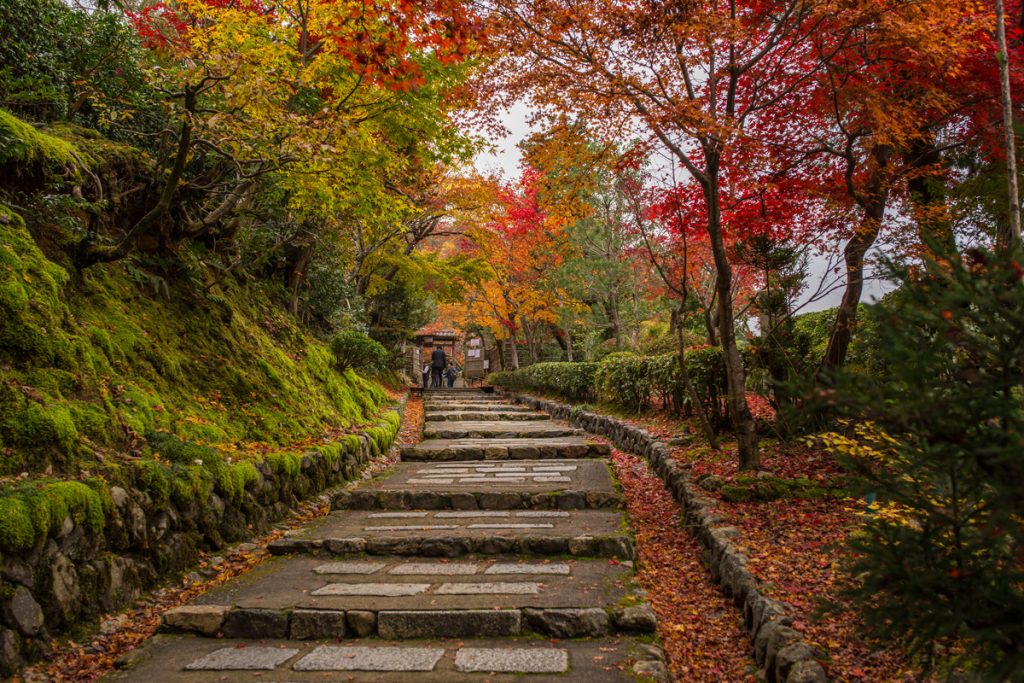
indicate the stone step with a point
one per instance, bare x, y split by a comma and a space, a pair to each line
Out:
173, 658
483, 415
458, 533
507, 485
440, 450
496, 429
306, 598
495, 407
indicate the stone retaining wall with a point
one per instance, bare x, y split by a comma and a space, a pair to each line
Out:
777, 647
76, 574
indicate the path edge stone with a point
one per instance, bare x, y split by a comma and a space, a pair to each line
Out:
778, 649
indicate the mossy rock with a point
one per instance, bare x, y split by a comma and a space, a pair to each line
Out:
32, 512
17, 533
22, 144
767, 488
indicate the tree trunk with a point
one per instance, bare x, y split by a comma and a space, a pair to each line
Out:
853, 254
1011, 235
88, 254
501, 353
742, 419
297, 275
710, 324
513, 351
531, 346
691, 388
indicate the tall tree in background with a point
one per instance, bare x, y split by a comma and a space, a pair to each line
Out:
1010, 146
886, 84
693, 74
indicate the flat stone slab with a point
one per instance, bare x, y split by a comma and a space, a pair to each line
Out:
383, 590
349, 567
435, 569
165, 657
471, 415
243, 659
295, 583
380, 658
534, 660
498, 429
564, 447
582, 533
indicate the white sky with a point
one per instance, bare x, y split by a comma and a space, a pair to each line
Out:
505, 157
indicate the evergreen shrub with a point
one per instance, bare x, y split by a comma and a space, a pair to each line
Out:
355, 350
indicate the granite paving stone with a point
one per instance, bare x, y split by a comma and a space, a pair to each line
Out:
349, 567
243, 659
512, 660
490, 588
560, 568
384, 590
434, 568
358, 658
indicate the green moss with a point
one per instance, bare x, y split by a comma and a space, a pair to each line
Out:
37, 426
767, 488
289, 464
22, 144
16, 530
132, 361
154, 478
30, 298
29, 513
332, 453
78, 500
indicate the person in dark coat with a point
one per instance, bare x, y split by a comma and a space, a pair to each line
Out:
450, 374
438, 362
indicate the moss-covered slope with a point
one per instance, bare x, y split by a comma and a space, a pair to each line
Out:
89, 368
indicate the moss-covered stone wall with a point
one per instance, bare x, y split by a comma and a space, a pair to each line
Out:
74, 550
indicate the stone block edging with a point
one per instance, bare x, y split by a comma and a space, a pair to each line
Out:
778, 648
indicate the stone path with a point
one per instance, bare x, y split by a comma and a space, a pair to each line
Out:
498, 546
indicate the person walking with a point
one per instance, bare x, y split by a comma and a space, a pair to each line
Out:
438, 362
449, 374
426, 375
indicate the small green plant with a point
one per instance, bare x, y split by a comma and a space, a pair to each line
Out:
354, 350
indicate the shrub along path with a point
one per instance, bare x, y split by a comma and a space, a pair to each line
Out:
500, 549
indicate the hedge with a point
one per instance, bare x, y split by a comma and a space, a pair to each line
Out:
627, 380
573, 381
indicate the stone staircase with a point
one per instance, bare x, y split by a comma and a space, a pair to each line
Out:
497, 546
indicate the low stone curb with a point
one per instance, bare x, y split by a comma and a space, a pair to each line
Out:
317, 624
619, 547
778, 648
399, 499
